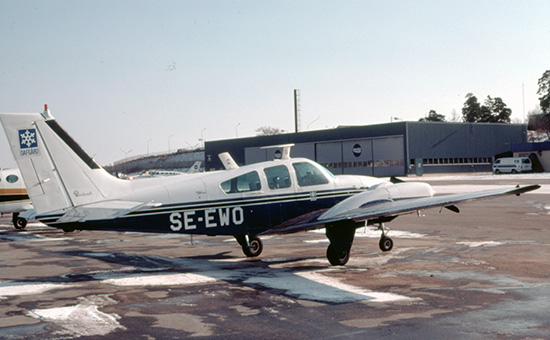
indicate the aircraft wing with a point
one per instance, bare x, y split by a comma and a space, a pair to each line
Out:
100, 211
352, 208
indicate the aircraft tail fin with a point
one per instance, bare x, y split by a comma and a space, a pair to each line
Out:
228, 161
58, 173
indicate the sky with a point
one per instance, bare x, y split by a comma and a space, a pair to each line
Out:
125, 78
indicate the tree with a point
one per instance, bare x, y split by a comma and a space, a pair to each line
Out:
498, 112
433, 117
493, 110
268, 131
539, 121
544, 92
471, 112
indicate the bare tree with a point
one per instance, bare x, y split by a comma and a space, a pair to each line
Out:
268, 131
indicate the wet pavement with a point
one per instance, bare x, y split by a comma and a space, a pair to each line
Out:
480, 274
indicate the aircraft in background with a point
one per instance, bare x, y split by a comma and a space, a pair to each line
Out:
195, 168
13, 196
69, 190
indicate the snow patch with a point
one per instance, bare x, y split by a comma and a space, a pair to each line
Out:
373, 233
160, 280
11, 288
481, 244
84, 319
319, 287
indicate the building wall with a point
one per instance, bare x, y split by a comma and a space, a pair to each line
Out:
459, 147
379, 156
394, 149
540, 150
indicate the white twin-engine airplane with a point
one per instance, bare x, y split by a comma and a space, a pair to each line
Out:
13, 196
69, 190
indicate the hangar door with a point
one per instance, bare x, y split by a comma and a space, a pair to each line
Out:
371, 156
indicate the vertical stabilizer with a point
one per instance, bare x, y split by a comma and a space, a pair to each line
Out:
58, 173
228, 161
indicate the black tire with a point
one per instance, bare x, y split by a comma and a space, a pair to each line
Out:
514, 171
68, 229
497, 171
337, 257
385, 244
255, 248
19, 223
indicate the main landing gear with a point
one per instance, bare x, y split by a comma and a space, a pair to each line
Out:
252, 245
386, 243
18, 222
341, 236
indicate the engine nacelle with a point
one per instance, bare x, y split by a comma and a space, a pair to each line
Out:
379, 194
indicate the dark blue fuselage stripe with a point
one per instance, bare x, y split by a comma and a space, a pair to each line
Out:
257, 217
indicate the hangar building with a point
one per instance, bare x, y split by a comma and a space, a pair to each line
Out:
393, 149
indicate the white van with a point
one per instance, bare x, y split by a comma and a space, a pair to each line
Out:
512, 164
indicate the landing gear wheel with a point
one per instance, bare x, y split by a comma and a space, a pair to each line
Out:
337, 257
19, 223
386, 243
254, 247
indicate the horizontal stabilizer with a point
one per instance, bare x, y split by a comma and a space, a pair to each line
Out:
100, 211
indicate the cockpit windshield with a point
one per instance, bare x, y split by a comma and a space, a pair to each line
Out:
307, 174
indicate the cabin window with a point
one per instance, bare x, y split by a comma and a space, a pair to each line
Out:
307, 174
12, 178
243, 183
278, 177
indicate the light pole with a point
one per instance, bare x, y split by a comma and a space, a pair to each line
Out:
316, 119
169, 143
202, 137
148, 146
125, 159
236, 133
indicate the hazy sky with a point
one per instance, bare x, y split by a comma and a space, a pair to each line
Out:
136, 74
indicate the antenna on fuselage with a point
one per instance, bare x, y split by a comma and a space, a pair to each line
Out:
285, 153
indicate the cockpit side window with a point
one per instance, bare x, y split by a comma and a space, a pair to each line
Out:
243, 183
278, 177
307, 174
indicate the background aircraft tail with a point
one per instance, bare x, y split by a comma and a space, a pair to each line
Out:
58, 173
